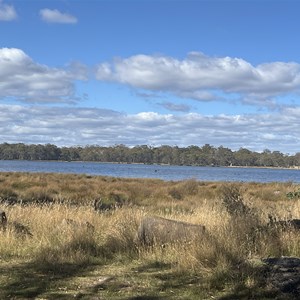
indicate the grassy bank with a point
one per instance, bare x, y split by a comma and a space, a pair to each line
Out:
95, 256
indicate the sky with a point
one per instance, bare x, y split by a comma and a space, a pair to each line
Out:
151, 72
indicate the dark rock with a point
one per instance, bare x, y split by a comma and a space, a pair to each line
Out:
284, 274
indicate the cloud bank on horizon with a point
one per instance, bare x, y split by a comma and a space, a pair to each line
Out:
160, 98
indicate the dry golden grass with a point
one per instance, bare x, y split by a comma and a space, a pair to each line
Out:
219, 259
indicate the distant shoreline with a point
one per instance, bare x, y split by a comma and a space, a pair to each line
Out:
259, 167
155, 164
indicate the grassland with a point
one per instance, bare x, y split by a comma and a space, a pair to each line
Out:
74, 261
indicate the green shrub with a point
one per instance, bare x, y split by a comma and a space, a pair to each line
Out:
293, 195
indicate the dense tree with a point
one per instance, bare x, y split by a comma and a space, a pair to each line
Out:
265, 158
296, 161
245, 157
141, 154
224, 156
192, 155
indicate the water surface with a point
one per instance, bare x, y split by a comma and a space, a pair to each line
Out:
154, 171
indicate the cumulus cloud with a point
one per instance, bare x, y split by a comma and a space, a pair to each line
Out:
55, 16
25, 80
7, 12
82, 126
199, 76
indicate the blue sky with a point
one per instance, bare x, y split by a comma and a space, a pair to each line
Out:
151, 72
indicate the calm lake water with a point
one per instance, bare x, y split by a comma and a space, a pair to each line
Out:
154, 171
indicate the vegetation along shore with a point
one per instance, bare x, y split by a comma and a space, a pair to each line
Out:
206, 155
67, 236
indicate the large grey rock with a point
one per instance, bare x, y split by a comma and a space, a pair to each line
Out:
156, 230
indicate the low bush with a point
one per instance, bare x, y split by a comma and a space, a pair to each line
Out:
293, 195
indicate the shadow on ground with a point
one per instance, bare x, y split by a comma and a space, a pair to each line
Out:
31, 280
50, 281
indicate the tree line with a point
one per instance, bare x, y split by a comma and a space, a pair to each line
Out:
206, 155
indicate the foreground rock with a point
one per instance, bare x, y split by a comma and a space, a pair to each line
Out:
156, 230
283, 275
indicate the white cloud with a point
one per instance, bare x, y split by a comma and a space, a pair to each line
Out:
198, 75
82, 126
55, 16
23, 79
7, 12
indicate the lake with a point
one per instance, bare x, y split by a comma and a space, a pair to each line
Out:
154, 171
